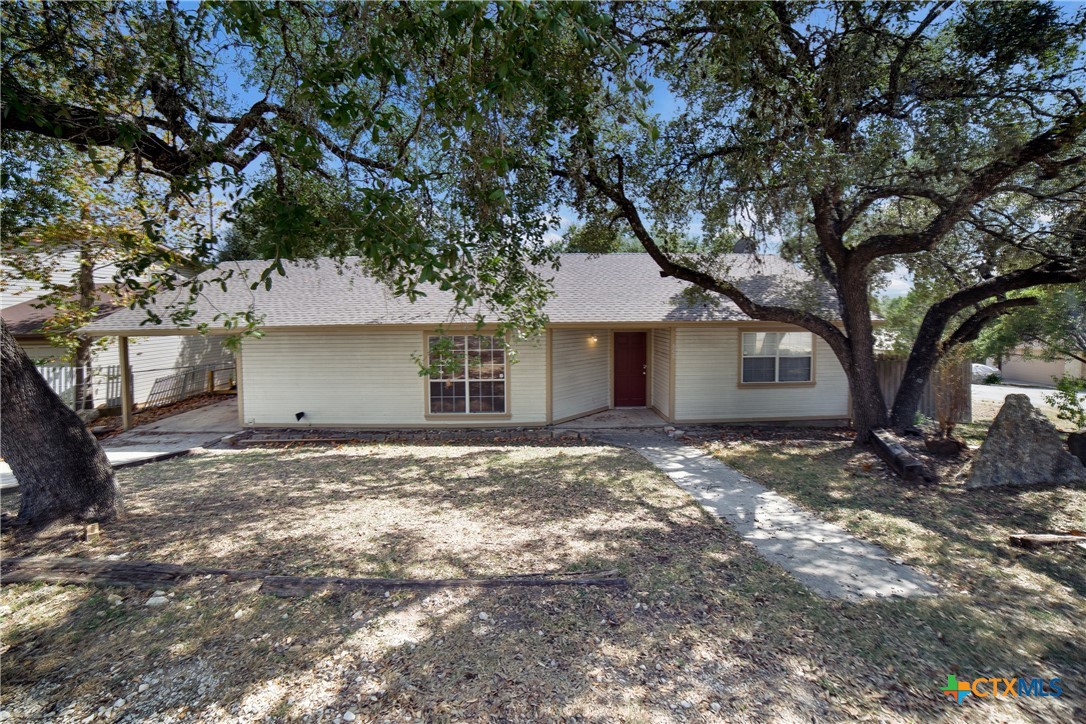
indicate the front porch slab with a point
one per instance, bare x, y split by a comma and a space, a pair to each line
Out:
621, 418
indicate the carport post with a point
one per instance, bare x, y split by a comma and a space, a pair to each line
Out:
126, 383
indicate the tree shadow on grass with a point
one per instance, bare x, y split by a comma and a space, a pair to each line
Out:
1009, 610
705, 620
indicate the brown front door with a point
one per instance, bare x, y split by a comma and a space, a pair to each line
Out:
631, 369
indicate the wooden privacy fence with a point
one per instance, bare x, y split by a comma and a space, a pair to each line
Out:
105, 384
891, 370
190, 382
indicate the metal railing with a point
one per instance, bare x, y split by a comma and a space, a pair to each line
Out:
189, 383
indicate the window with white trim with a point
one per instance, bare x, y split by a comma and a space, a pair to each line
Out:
468, 375
778, 357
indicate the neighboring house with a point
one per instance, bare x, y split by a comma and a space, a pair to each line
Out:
151, 358
1018, 367
26, 322
339, 350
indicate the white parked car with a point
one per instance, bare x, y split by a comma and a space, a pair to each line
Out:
983, 372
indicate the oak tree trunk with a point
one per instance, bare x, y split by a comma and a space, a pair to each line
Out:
868, 404
918, 369
62, 470
869, 411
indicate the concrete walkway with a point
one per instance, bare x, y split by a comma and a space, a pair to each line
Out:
823, 556
162, 439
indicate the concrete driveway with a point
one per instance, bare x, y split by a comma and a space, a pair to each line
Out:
163, 438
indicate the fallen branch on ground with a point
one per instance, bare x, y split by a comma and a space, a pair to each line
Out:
150, 575
291, 586
140, 574
1039, 540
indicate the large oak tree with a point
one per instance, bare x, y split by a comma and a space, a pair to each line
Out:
856, 139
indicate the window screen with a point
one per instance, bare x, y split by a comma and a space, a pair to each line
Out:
777, 356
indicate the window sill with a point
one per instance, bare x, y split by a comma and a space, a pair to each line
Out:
776, 384
467, 416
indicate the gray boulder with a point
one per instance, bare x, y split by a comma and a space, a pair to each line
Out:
1023, 448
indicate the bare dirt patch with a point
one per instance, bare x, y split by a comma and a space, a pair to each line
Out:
707, 629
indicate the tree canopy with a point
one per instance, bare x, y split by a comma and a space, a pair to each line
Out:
411, 109
942, 138
1054, 328
854, 138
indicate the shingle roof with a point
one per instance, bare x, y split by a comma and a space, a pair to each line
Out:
27, 318
609, 288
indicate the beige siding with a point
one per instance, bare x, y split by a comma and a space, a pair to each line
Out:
581, 378
43, 352
365, 378
153, 358
1037, 371
707, 373
661, 370
17, 290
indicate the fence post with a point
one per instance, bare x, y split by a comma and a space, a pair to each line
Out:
126, 383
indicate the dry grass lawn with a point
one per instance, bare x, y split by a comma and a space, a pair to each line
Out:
707, 630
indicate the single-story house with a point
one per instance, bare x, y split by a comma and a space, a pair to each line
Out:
339, 350
1026, 365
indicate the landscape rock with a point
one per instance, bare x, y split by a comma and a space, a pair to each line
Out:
1076, 443
155, 601
1023, 447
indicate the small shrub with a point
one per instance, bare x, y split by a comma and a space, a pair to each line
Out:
993, 379
1066, 400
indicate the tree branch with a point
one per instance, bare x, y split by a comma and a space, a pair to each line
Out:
669, 268
971, 328
981, 185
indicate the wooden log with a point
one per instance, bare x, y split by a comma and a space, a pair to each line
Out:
900, 460
140, 574
292, 586
1039, 540
151, 575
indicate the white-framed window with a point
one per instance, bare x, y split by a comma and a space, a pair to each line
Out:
777, 357
469, 377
